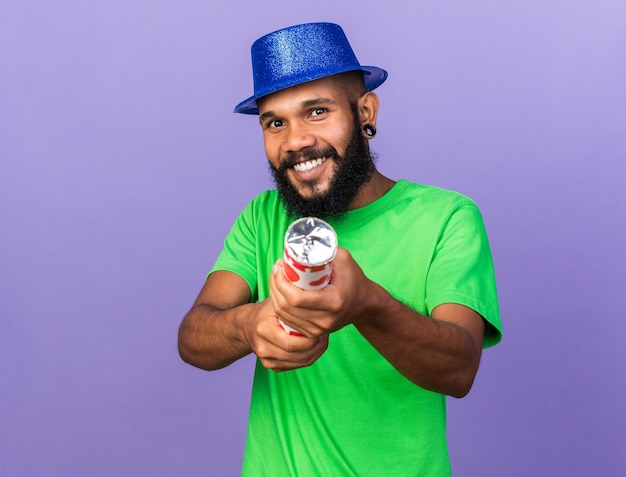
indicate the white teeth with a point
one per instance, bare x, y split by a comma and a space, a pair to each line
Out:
308, 165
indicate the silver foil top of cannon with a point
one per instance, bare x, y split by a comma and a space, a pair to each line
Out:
311, 241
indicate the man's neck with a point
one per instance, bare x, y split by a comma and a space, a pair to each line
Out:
373, 190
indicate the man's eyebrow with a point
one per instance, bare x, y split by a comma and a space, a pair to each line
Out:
304, 104
317, 101
266, 115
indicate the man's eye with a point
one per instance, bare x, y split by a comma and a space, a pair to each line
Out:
317, 111
275, 123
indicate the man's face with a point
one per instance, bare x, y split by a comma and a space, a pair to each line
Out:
317, 154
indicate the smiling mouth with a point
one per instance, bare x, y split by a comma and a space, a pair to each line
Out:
310, 164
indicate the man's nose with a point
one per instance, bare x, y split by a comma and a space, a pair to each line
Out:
297, 137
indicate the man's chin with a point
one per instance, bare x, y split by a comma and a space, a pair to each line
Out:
310, 192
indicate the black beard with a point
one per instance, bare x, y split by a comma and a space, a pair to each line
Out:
352, 171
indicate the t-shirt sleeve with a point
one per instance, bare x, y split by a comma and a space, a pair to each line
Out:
239, 252
462, 270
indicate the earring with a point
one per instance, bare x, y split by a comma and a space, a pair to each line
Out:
369, 130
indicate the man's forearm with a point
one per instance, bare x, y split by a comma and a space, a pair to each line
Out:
438, 354
210, 338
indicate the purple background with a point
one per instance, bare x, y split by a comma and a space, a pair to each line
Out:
122, 167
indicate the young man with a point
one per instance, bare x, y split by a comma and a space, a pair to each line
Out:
411, 301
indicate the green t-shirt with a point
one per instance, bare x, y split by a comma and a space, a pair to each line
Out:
351, 413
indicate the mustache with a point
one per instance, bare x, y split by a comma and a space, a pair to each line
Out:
294, 157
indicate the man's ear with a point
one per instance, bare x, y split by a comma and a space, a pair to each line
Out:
367, 107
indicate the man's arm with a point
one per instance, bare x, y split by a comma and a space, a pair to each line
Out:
222, 327
440, 353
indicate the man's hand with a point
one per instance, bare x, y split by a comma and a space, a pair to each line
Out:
317, 313
276, 348
223, 326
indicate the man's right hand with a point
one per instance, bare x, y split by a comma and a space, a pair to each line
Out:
276, 348
222, 327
